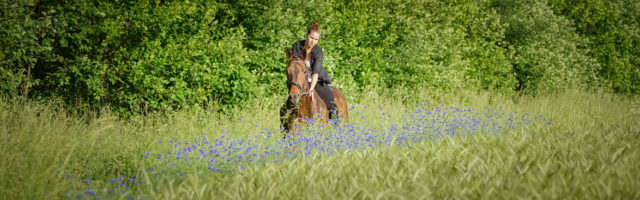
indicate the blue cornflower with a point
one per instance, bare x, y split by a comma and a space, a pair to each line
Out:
87, 180
90, 192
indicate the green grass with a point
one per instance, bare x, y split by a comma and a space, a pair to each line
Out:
592, 150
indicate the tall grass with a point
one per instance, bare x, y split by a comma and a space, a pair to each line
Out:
590, 149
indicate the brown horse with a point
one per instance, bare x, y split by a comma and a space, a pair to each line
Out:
299, 108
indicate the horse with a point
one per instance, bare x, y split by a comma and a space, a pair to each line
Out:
299, 108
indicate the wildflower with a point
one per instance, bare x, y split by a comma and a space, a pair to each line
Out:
90, 192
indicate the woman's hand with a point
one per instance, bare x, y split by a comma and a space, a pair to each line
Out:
311, 94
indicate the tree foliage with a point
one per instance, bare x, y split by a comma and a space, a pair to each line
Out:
152, 55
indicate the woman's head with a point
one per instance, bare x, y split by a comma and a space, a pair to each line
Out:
313, 34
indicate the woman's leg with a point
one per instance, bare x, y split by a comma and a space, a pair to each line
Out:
327, 96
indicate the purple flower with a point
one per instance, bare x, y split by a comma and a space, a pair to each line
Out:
90, 192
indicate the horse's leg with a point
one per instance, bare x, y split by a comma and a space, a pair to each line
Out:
286, 118
341, 102
283, 118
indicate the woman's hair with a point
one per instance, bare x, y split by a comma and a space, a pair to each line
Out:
314, 27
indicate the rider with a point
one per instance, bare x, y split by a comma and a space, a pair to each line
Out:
316, 74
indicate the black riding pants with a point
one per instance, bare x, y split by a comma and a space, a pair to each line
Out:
327, 96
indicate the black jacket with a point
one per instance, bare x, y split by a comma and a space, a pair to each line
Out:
316, 60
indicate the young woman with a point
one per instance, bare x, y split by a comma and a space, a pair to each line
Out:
316, 74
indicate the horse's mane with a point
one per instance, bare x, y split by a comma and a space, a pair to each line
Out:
296, 55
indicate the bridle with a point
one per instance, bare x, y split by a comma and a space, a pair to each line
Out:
301, 87
295, 99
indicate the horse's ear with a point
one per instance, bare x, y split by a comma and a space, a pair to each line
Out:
288, 54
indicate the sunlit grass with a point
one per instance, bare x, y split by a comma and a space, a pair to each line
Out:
589, 149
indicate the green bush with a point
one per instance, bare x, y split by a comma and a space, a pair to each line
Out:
137, 56
543, 48
148, 56
612, 29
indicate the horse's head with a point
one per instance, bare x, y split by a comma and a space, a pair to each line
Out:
296, 77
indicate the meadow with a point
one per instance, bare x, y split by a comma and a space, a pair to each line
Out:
488, 99
568, 145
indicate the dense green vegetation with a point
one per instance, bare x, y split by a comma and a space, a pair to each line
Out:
186, 71
590, 151
141, 56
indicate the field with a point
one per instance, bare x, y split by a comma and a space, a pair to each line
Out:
569, 145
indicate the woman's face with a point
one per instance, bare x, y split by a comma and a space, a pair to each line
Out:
312, 38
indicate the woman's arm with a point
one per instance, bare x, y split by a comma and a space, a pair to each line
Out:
316, 68
314, 81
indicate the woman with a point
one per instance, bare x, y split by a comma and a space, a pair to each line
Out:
316, 74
